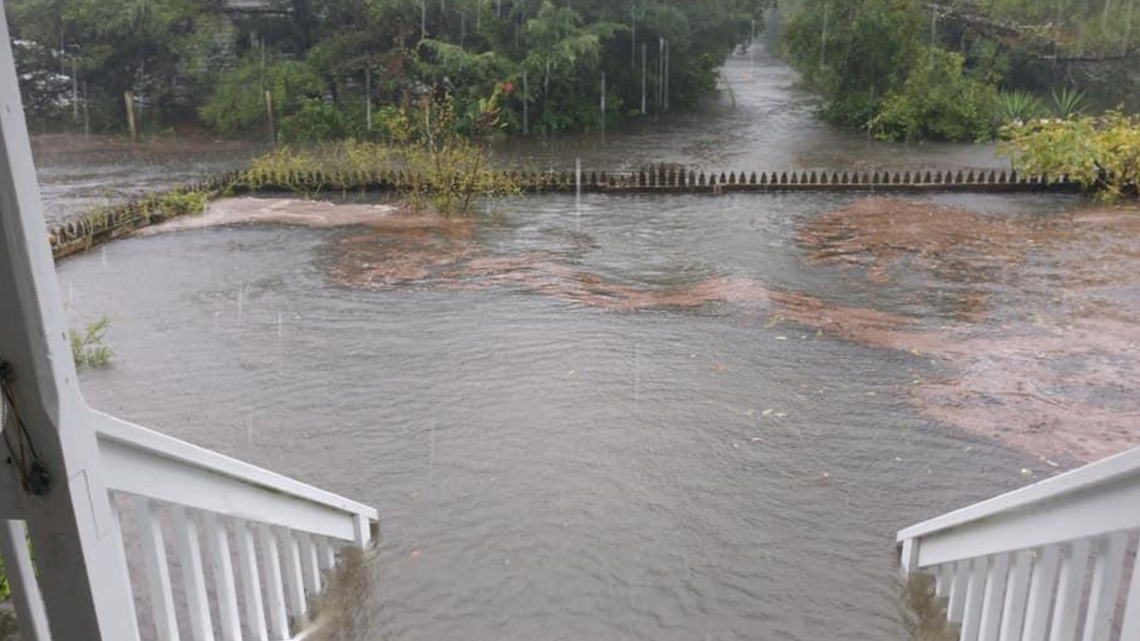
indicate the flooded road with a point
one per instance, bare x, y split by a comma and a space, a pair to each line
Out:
629, 417
77, 174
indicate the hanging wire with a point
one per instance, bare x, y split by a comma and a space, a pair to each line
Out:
34, 477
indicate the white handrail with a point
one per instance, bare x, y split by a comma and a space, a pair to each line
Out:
1014, 567
1094, 475
146, 463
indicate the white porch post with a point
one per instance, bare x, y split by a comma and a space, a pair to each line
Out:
75, 535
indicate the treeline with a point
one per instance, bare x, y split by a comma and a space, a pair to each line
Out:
351, 68
960, 69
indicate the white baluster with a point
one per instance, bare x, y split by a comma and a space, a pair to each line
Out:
958, 583
157, 571
1041, 593
326, 553
193, 578
275, 591
1070, 585
294, 585
21, 575
310, 566
1016, 593
1131, 627
940, 582
1107, 570
972, 613
993, 599
250, 583
221, 566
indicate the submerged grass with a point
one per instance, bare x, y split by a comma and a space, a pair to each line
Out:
447, 178
923, 613
88, 348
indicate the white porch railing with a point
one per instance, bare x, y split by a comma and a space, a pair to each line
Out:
1054, 561
253, 548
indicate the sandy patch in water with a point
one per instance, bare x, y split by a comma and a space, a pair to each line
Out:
1056, 374
301, 212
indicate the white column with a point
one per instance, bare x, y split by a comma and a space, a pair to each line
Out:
22, 580
79, 552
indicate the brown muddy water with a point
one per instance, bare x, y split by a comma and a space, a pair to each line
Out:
637, 417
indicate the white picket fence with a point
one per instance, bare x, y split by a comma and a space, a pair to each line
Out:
1054, 561
253, 550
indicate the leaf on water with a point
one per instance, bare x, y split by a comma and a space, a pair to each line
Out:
767, 412
1026, 472
781, 414
750, 413
781, 338
773, 321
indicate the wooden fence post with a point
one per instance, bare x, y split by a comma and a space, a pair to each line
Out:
269, 117
129, 101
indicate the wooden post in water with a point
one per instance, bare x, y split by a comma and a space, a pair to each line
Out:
368, 97
526, 105
86, 112
74, 90
603, 107
644, 73
129, 101
269, 116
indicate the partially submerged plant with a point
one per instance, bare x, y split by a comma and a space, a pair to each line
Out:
923, 613
1068, 102
1017, 106
88, 348
427, 161
1101, 154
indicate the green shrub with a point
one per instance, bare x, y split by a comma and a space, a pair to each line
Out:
1068, 102
237, 103
1101, 154
88, 348
937, 101
1017, 106
314, 121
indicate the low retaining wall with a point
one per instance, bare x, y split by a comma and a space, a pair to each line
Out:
105, 224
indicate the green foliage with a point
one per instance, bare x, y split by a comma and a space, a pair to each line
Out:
237, 103
1100, 153
1017, 106
88, 348
188, 60
434, 166
177, 203
1068, 102
937, 101
315, 121
854, 53
5, 588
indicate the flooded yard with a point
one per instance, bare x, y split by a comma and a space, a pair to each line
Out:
637, 416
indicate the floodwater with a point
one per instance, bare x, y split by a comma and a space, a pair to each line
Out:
624, 417
77, 174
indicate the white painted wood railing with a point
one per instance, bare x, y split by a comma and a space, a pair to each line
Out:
1054, 561
251, 549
